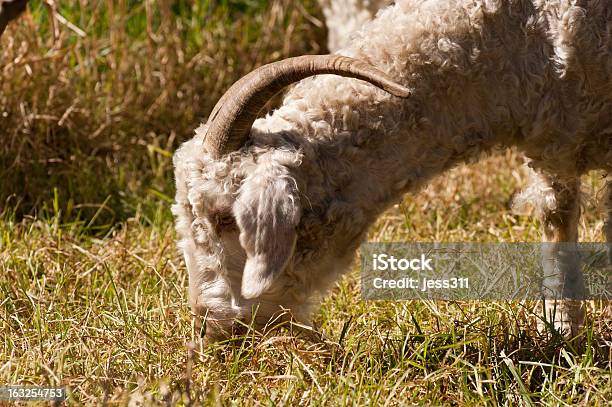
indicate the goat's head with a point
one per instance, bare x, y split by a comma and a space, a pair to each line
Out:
238, 206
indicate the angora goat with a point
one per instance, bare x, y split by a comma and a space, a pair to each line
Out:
271, 211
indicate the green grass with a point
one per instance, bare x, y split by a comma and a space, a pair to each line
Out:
93, 290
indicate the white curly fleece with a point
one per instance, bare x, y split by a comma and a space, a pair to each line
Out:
320, 169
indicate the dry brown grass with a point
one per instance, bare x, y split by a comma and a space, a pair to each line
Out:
108, 318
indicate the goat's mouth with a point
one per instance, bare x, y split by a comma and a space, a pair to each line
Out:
221, 329
216, 330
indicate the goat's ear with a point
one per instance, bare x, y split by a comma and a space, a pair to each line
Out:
267, 212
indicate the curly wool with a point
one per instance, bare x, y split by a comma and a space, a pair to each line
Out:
485, 74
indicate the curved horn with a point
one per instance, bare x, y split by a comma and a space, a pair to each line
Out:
231, 119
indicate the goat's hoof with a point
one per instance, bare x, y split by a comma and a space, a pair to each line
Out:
564, 317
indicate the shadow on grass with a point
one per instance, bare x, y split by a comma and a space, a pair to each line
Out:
91, 111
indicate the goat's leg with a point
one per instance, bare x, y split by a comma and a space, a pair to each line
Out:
563, 284
607, 229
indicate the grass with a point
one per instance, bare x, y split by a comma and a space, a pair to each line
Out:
93, 291
113, 102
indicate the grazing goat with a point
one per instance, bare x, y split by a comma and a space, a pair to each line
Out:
345, 17
270, 211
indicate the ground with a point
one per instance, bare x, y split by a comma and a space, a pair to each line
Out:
93, 290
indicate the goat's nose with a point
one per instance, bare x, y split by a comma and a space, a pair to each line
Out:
215, 331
